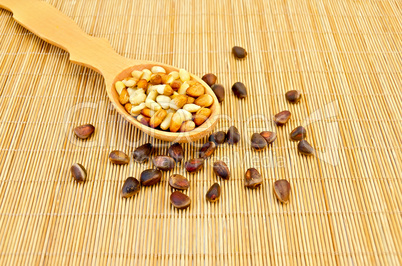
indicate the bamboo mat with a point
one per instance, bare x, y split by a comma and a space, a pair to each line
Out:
345, 207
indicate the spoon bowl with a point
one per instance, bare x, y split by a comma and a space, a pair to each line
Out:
189, 136
54, 27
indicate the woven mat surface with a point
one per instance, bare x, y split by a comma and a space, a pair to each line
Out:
345, 207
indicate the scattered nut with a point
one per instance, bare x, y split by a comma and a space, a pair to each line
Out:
239, 90
164, 163
258, 142
119, 157
218, 137
179, 182
298, 133
207, 150
179, 200
239, 52
130, 187
209, 78
252, 178
233, 135
219, 91
282, 190
221, 169
282, 118
269, 136
305, 148
194, 165
150, 177
84, 131
213, 193
78, 172
293, 96
142, 153
176, 152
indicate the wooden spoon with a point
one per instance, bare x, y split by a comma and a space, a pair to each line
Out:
95, 53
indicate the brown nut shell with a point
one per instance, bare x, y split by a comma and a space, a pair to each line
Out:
141, 154
179, 182
252, 178
164, 163
282, 190
118, 157
282, 118
150, 177
221, 169
194, 165
213, 193
84, 131
180, 200
130, 187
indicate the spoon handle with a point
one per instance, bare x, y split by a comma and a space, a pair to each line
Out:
58, 29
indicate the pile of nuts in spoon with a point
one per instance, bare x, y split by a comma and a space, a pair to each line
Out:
140, 93
167, 101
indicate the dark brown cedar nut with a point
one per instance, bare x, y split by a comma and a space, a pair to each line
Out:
119, 157
130, 187
194, 165
298, 133
233, 135
176, 152
207, 150
164, 163
219, 91
282, 190
239, 52
282, 118
213, 193
252, 178
78, 172
209, 78
269, 136
221, 170
305, 148
150, 177
293, 96
179, 182
179, 200
258, 142
239, 90
142, 153
84, 131
218, 137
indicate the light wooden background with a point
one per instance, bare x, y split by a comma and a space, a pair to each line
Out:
345, 205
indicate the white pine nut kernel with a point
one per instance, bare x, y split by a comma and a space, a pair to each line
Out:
184, 75
153, 105
146, 74
136, 110
137, 74
172, 77
119, 85
130, 82
158, 69
137, 98
152, 95
192, 108
186, 115
183, 88
164, 101
166, 122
